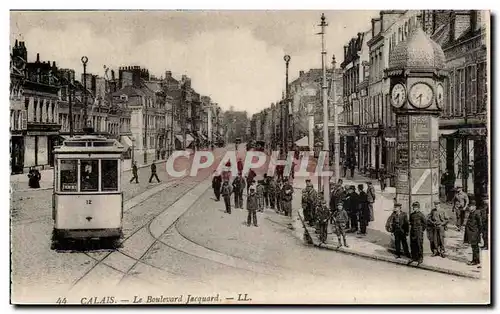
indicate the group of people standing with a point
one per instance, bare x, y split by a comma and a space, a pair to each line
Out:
349, 211
261, 194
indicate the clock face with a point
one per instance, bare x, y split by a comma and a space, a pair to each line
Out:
439, 96
421, 95
398, 95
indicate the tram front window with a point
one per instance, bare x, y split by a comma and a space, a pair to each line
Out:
89, 176
109, 175
69, 175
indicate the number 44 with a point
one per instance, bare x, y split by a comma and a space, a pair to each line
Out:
61, 301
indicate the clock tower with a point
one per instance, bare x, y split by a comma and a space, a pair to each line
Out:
416, 73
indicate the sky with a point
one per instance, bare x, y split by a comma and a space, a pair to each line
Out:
235, 57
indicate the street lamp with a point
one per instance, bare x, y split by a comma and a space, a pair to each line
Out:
133, 149
87, 128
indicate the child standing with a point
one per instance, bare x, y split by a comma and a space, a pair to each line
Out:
341, 219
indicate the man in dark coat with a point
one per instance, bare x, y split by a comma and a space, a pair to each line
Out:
34, 178
250, 179
272, 191
265, 183
216, 185
134, 173
287, 197
238, 187
337, 196
485, 212
364, 210
308, 202
278, 196
472, 233
153, 173
226, 192
398, 225
351, 205
417, 228
370, 193
436, 224
252, 207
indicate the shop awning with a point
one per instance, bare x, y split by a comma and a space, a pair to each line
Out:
64, 137
446, 132
303, 142
126, 141
390, 139
473, 132
202, 136
179, 138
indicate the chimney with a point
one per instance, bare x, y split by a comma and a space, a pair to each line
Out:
38, 57
15, 45
168, 74
54, 64
301, 73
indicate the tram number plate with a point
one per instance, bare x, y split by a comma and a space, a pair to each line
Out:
88, 202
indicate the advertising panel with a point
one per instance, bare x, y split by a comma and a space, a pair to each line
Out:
402, 128
420, 128
420, 154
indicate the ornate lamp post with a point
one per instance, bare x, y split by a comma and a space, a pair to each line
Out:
87, 127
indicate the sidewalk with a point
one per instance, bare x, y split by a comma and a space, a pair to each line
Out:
377, 244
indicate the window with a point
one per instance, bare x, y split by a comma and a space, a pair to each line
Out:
69, 175
89, 176
462, 90
109, 175
482, 87
471, 89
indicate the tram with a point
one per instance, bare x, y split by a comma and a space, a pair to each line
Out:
87, 201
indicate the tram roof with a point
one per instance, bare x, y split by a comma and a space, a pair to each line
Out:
90, 143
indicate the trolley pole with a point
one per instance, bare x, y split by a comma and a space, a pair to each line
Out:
324, 87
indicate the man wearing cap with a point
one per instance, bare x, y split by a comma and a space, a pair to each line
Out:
226, 192
436, 225
460, 206
370, 193
351, 205
252, 207
485, 215
323, 216
398, 225
278, 195
472, 233
308, 200
417, 228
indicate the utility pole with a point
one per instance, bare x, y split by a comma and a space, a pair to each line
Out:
171, 148
287, 109
70, 95
324, 88
336, 147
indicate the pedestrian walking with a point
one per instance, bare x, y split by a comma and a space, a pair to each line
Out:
308, 200
345, 164
252, 207
260, 196
272, 192
364, 210
34, 178
287, 197
323, 216
398, 225
341, 219
134, 173
485, 212
448, 180
153, 173
226, 192
265, 183
472, 233
370, 192
460, 206
351, 205
417, 228
240, 166
352, 165
278, 196
436, 226
238, 188
216, 184
382, 176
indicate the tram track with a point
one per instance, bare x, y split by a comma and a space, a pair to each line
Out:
100, 260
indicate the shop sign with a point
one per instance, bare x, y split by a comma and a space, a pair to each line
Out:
420, 154
420, 128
